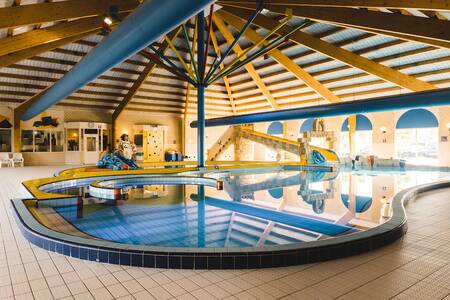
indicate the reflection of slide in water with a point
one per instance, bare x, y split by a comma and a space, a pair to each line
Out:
267, 140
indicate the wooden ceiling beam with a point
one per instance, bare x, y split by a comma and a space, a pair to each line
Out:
340, 54
284, 60
269, 75
249, 67
408, 26
405, 37
48, 35
31, 14
225, 78
15, 57
389, 4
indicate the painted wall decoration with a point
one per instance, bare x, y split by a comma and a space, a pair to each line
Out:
4, 122
46, 122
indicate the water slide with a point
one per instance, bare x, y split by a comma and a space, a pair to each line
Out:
267, 140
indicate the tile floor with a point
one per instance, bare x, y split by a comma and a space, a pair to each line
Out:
417, 267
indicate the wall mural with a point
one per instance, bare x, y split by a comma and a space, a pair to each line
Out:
46, 122
4, 122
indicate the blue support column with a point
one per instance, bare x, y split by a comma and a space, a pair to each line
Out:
201, 91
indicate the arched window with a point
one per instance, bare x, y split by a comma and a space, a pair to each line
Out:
307, 125
276, 129
363, 137
416, 137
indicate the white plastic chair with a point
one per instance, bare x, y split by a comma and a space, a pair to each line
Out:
17, 159
5, 159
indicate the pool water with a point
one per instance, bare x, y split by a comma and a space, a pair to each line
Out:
253, 210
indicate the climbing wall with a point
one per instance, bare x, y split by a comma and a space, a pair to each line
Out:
154, 144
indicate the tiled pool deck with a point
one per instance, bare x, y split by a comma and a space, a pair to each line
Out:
416, 267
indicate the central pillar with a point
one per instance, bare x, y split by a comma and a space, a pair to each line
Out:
201, 126
201, 90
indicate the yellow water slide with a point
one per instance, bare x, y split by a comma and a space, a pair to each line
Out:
267, 140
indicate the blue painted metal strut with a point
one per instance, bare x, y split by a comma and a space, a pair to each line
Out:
201, 90
141, 28
216, 65
438, 97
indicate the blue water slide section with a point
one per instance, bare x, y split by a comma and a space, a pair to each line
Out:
303, 222
440, 97
145, 25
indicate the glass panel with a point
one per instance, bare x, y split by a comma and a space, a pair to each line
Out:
5, 140
105, 138
57, 141
418, 146
41, 141
27, 141
363, 142
344, 144
73, 140
91, 143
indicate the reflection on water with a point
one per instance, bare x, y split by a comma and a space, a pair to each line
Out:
253, 210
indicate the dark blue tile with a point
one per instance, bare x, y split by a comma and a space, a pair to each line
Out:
254, 261
93, 254
161, 261
201, 262
52, 246
75, 252
241, 262
187, 262
125, 258
66, 249
45, 244
214, 262
279, 260
136, 260
291, 258
114, 257
302, 256
103, 256
149, 261
313, 255
59, 248
174, 262
227, 262
267, 261
83, 253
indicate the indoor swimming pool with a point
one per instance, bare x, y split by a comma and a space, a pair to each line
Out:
252, 210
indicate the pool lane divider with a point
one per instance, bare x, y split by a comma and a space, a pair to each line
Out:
298, 221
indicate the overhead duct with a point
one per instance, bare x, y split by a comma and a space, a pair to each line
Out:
439, 97
151, 20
